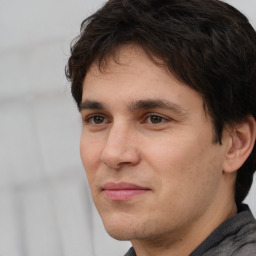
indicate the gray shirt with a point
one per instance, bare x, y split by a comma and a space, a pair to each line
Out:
234, 237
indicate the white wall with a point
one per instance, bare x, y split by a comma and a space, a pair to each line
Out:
45, 204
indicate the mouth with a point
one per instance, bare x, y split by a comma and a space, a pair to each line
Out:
123, 191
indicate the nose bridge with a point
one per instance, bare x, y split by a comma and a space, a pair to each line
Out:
117, 136
120, 146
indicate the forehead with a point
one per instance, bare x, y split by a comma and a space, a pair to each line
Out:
132, 75
125, 58
129, 61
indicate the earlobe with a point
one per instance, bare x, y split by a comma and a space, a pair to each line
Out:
241, 143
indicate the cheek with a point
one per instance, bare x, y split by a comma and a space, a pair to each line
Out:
189, 178
89, 153
180, 162
170, 156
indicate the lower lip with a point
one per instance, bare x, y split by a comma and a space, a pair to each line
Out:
123, 195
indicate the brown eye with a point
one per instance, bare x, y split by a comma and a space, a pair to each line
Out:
96, 120
154, 119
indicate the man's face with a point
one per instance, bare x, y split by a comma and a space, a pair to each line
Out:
147, 149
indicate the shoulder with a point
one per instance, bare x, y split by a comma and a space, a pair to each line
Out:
241, 238
235, 237
244, 241
131, 252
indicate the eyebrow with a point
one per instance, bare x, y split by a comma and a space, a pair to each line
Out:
157, 103
91, 104
138, 105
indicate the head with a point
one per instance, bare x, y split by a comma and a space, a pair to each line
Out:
206, 45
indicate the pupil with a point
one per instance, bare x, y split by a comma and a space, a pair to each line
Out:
98, 119
156, 119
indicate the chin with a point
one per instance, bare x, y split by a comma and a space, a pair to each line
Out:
125, 229
121, 233
121, 229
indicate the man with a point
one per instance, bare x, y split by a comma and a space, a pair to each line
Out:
166, 91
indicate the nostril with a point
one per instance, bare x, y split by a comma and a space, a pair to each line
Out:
118, 150
116, 160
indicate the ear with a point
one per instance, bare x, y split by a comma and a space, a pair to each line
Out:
241, 143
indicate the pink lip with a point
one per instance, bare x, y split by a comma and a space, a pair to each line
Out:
122, 191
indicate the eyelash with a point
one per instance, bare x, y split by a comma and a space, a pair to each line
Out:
163, 119
91, 119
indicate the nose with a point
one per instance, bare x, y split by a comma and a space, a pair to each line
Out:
120, 147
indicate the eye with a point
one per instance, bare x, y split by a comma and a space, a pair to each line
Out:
96, 120
155, 119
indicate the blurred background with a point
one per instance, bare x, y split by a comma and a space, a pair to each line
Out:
45, 204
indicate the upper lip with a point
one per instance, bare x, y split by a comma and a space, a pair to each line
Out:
122, 186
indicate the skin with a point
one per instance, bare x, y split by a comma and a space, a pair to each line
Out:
141, 126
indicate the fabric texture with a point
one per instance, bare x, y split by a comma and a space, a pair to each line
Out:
234, 237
